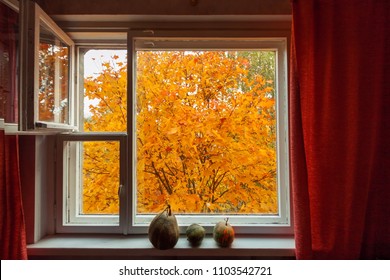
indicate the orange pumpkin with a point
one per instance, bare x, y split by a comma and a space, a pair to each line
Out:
223, 233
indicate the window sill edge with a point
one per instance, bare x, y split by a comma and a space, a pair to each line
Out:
138, 246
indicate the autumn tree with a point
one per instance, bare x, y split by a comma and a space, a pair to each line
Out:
205, 132
108, 112
53, 96
203, 143
261, 62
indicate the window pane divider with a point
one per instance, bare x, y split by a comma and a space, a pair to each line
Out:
96, 136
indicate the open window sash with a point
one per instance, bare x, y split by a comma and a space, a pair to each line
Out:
46, 72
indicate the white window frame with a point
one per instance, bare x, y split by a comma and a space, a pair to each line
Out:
33, 16
69, 174
217, 39
278, 224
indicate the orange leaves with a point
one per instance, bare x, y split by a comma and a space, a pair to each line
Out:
100, 177
207, 142
180, 203
53, 83
172, 131
205, 131
107, 98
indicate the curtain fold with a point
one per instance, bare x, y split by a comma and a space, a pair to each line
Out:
12, 226
339, 121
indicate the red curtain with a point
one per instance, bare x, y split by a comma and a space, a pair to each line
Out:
340, 128
12, 227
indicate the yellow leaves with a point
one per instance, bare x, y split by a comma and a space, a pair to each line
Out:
107, 98
100, 177
267, 103
173, 130
205, 133
181, 203
207, 140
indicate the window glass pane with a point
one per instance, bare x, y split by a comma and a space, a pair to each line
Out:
206, 131
100, 177
53, 96
92, 182
105, 90
8, 63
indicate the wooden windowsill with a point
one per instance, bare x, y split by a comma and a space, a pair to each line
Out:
81, 246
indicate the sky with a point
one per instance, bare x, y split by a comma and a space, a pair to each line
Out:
92, 67
93, 60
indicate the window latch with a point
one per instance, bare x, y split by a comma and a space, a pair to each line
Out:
149, 44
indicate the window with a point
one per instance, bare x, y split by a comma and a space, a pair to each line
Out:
91, 171
53, 93
92, 162
210, 123
195, 119
47, 92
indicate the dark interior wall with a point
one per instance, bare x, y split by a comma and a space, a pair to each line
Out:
166, 7
27, 177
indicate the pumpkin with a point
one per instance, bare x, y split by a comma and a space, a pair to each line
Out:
223, 233
163, 230
195, 234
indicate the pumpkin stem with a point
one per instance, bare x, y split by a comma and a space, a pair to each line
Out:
169, 211
227, 219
